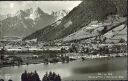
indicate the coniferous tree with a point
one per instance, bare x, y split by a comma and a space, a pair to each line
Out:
1, 80
51, 76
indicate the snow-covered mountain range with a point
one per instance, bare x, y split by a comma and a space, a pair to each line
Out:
25, 22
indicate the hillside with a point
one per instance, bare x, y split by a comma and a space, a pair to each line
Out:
113, 28
79, 17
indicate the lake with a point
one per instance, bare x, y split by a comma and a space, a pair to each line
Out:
91, 69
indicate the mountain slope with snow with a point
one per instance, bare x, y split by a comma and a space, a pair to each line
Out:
25, 22
59, 14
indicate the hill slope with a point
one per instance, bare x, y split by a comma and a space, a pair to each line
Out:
79, 17
112, 28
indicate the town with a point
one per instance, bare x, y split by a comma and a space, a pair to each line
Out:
18, 52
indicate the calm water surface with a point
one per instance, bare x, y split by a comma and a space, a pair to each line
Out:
112, 68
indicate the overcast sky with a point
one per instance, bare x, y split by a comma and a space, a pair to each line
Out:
12, 7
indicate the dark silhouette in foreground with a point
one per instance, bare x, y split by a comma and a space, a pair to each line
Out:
51, 76
10, 80
30, 76
1, 80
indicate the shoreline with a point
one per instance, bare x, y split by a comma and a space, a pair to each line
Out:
87, 57
70, 67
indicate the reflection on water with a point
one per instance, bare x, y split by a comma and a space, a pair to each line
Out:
71, 71
15, 72
103, 67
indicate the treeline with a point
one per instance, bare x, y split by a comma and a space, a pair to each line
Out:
33, 76
3, 80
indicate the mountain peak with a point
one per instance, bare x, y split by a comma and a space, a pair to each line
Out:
39, 11
36, 13
59, 14
23, 13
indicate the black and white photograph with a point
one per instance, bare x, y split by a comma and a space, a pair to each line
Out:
68, 40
